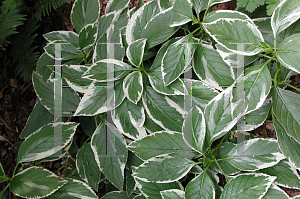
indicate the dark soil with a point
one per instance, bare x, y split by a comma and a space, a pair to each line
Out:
17, 98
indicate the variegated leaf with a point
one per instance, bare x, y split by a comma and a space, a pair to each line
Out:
133, 86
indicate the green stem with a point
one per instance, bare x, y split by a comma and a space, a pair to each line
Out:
264, 55
272, 113
192, 33
227, 179
225, 136
279, 74
206, 11
66, 167
276, 78
15, 169
88, 139
84, 57
289, 85
89, 59
6, 188
198, 17
96, 122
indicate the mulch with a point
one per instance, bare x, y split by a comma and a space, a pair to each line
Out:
17, 98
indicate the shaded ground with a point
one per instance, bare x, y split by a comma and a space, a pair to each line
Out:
17, 98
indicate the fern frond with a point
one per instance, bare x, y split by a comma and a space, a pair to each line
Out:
23, 52
9, 21
11, 4
44, 7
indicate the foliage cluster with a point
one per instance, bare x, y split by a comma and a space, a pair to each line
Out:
170, 136
19, 21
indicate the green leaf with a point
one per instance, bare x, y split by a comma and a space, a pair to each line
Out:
162, 110
111, 156
121, 19
151, 190
288, 145
133, 86
230, 58
114, 5
165, 4
160, 54
34, 123
139, 20
58, 155
274, 192
156, 80
150, 23
288, 52
104, 22
257, 118
194, 129
228, 32
68, 50
182, 13
155, 75
74, 189
210, 68
41, 67
110, 44
164, 169
72, 74
45, 92
135, 51
68, 36
264, 25
215, 15
84, 12
2, 196
159, 29
129, 181
35, 182
44, 142
201, 93
286, 174
293, 29
94, 101
88, 36
150, 125
257, 85
160, 143
219, 115
200, 5
252, 155
250, 5
286, 109
202, 186
117, 194
87, 166
172, 194
99, 72
129, 119
247, 186
137, 6
286, 13
173, 62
